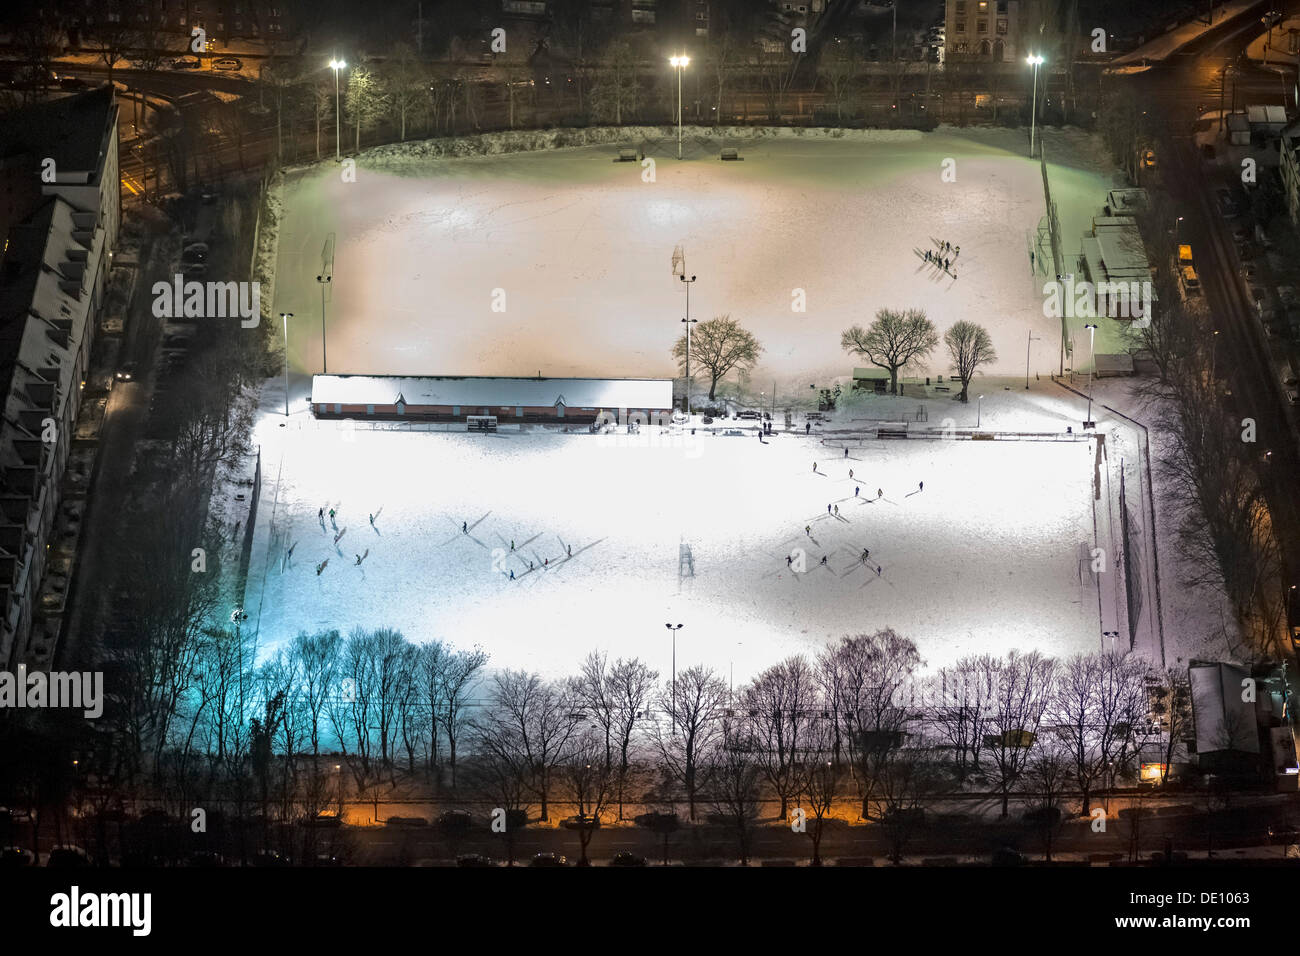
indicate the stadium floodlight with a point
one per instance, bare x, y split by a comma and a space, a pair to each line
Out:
1035, 61
689, 322
337, 65
1092, 364
675, 628
679, 63
286, 316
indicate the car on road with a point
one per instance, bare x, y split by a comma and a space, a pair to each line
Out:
126, 373
227, 64
580, 822
196, 251
1149, 159
1240, 234
1227, 205
186, 63
548, 859
627, 858
1284, 833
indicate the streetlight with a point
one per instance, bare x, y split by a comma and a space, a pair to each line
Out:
336, 65
679, 63
1032, 339
979, 411
1035, 61
1177, 224
689, 322
1092, 329
286, 316
674, 628
324, 281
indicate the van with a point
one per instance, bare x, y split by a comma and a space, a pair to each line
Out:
1185, 255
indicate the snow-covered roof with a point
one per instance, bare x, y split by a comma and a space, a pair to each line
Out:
487, 391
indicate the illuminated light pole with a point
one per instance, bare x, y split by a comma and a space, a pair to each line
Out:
336, 65
1092, 329
1035, 61
979, 411
286, 316
324, 281
1032, 339
679, 63
689, 322
674, 628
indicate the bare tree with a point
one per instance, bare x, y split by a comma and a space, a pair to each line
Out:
405, 85
694, 707
527, 729
870, 672
822, 781
719, 345
1022, 686
892, 341
962, 700
587, 780
1045, 781
460, 678
970, 347
838, 70
781, 702
734, 777
616, 94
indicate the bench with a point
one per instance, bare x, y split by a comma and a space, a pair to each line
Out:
730, 154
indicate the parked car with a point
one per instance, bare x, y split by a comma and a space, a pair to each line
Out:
474, 860
194, 268
627, 858
749, 414
1149, 159
455, 820
580, 822
657, 821
67, 857
325, 819
406, 822
15, 856
548, 859
707, 419
1250, 272
227, 64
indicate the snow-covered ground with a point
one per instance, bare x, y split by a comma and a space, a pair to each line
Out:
581, 247
984, 559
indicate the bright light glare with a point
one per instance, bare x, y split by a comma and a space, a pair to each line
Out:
679, 61
1034, 59
338, 64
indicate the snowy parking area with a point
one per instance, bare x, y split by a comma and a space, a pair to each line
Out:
672, 529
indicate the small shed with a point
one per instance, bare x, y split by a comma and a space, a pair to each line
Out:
872, 379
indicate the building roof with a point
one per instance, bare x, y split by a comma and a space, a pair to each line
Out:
1222, 719
486, 391
69, 130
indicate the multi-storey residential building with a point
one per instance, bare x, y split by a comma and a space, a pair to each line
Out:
985, 29
59, 175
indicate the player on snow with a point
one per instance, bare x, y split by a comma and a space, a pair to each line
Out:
321, 567
512, 574
856, 489
921, 486
372, 521
789, 560
837, 511
823, 560
879, 493
464, 527
570, 547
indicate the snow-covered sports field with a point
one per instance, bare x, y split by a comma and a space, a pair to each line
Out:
673, 529
580, 250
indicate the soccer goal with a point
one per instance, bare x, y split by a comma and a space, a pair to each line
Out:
481, 423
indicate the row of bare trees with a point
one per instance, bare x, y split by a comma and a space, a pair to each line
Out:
1211, 462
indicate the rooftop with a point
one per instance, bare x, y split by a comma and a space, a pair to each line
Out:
488, 391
